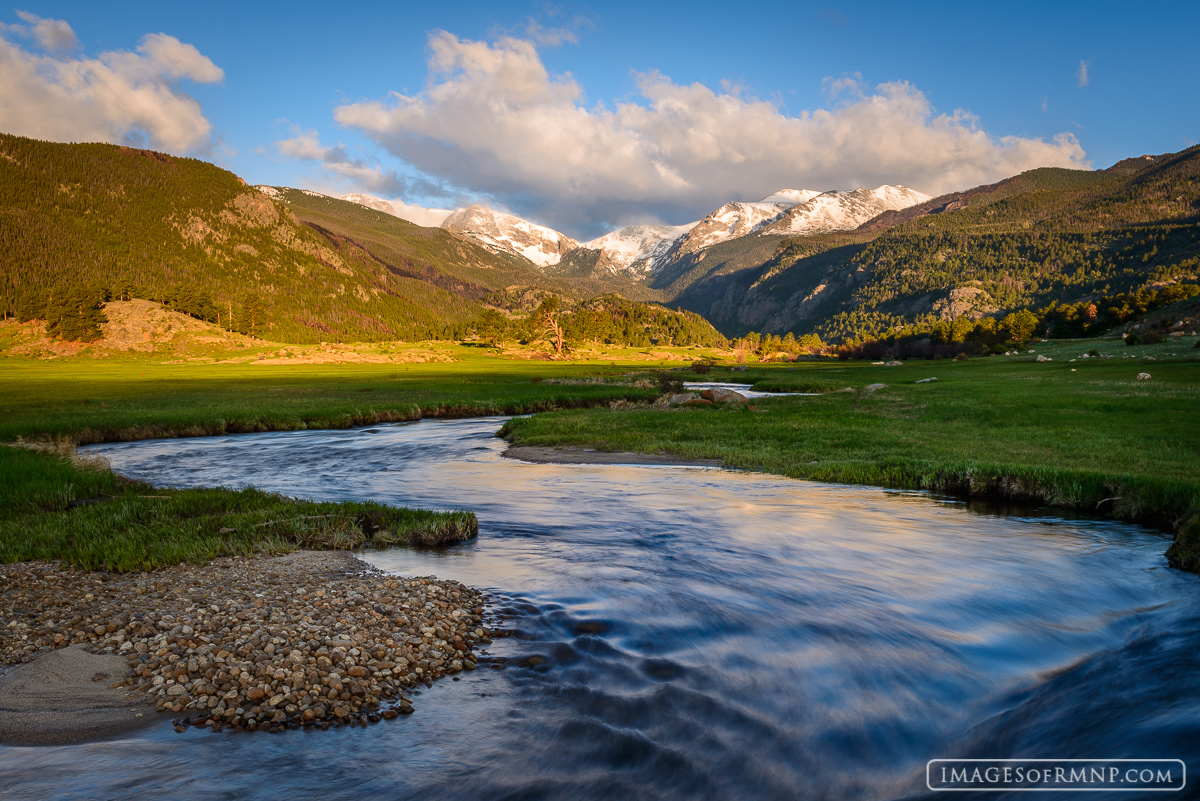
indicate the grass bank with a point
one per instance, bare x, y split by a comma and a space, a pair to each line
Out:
56, 506
1087, 435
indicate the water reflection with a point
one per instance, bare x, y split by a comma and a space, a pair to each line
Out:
699, 634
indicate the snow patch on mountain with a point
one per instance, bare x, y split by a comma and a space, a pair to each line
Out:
791, 196
371, 202
843, 210
738, 218
543, 246
637, 243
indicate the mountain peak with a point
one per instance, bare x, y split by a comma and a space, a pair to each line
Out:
507, 233
371, 202
791, 196
842, 210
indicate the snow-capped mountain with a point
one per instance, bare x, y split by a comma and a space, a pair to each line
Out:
504, 232
738, 218
641, 250
842, 210
637, 244
371, 202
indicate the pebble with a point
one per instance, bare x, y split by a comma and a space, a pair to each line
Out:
263, 643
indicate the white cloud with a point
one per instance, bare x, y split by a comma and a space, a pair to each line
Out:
1081, 75
430, 218
119, 96
337, 163
493, 121
51, 34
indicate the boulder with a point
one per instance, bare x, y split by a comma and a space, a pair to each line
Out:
926, 380
871, 388
718, 395
675, 399
1044, 358
1143, 377
893, 363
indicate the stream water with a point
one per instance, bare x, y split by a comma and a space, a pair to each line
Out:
702, 633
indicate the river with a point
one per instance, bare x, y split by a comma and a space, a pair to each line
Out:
687, 633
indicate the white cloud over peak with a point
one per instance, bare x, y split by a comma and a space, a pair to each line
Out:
430, 218
492, 120
1081, 75
124, 97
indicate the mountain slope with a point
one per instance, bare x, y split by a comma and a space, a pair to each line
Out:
290, 265
144, 223
1046, 236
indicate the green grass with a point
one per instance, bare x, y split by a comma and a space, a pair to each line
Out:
107, 400
1095, 440
84, 515
56, 507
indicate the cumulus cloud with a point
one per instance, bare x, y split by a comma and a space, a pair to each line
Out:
1081, 75
430, 218
50, 34
493, 120
119, 96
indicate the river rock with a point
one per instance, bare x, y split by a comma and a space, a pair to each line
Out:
250, 643
720, 395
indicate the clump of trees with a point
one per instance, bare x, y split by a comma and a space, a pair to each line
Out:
773, 346
75, 313
606, 320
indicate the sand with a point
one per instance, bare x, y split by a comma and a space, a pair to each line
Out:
63, 697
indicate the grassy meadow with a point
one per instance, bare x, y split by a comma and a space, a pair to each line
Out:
107, 400
1083, 434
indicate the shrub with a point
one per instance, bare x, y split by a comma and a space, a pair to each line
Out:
668, 383
1095, 354
703, 368
1133, 339
1152, 338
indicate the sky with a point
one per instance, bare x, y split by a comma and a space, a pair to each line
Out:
587, 117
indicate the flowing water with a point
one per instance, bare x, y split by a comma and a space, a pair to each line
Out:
701, 634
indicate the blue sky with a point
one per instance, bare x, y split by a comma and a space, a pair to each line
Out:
587, 116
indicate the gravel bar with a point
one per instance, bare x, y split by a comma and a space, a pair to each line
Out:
308, 639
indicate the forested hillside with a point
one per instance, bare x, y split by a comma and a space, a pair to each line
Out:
1047, 237
83, 224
